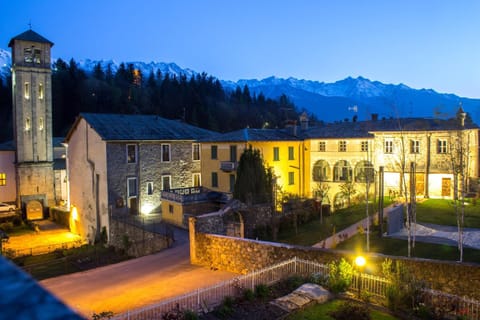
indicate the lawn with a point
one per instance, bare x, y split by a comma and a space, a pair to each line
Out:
440, 211
320, 312
314, 232
397, 247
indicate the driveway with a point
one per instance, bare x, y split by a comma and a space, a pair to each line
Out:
135, 283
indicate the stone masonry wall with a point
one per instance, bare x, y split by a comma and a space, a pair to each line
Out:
245, 255
142, 242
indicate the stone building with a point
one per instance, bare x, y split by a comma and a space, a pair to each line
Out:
120, 164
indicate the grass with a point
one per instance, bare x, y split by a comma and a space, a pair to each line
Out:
398, 247
440, 211
69, 261
320, 312
314, 232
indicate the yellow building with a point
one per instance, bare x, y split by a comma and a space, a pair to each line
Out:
282, 150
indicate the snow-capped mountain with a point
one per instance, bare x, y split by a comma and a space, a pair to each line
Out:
360, 97
145, 67
330, 102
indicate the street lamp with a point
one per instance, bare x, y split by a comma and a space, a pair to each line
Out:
360, 262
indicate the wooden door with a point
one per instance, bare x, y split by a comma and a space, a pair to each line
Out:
446, 187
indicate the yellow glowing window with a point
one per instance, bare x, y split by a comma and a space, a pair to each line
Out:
26, 91
27, 124
3, 179
40, 91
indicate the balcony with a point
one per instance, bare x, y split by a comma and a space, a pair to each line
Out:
228, 166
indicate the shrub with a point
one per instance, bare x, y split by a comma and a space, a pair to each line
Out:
248, 295
294, 282
340, 276
190, 315
102, 315
262, 291
17, 221
6, 226
350, 310
225, 309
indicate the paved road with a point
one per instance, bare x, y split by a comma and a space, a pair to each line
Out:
135, 283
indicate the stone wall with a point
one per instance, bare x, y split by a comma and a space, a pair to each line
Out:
141, 241
245, 255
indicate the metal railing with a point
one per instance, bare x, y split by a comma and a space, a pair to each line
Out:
38, 250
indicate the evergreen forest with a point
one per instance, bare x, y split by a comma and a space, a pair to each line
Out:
199, 100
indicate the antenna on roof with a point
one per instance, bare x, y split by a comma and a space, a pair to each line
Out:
30, 24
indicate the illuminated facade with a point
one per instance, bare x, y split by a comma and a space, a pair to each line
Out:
120, 164
281, 150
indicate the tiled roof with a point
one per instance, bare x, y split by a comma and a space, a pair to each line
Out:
24, 299
249, 134
364, 129
121, 127
30, 35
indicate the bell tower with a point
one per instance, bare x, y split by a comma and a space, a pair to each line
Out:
32, 120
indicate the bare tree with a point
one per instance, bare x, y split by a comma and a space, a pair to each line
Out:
459, 157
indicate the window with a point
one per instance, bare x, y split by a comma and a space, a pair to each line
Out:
442, 146
131, 153
414, 146
27, 55
276, 154
196, 151
149, 188
342, 146
214, 180
342, 171
322, 146
170, 208
388, 146
214, 152
233, 153
26, 90
364, 146
37, 56
3, 179
321, 171
196, 180
291, 178
40, 123
291, 153
131, 187
364, 172
232, 182
165, 152
41, 92
27, 124
166, 182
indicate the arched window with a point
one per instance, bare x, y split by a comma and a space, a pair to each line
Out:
364, 172
321, 171
342, 171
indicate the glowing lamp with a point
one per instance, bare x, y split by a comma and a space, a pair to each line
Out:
74, 213
360, 261
146, 208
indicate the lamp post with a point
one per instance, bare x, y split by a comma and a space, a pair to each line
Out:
360, 263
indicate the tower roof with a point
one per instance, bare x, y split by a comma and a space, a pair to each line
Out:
29, 35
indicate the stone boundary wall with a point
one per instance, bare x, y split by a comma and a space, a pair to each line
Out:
246, 255
142, 242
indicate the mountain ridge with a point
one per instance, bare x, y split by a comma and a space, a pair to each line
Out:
340, 100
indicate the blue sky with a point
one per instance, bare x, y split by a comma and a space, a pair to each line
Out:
423, 44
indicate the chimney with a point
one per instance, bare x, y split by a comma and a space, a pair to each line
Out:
374, 116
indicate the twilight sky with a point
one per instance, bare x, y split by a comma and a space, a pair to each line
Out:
423, 44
